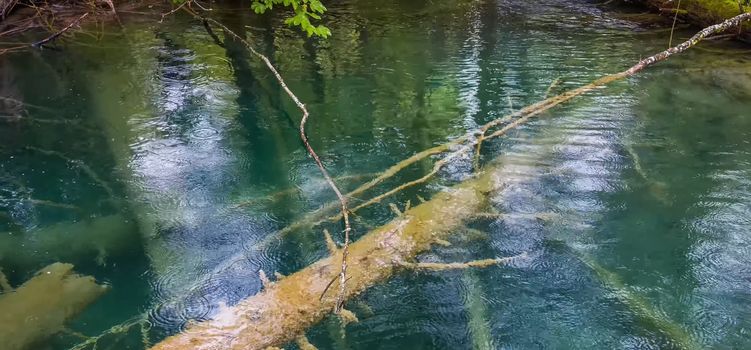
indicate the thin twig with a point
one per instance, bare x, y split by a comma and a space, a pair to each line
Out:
552, 86
436, 167
7, 7
465, 265
292, 190
722, 37
312, 152
173, 11
83, 166
121, 328
675, 19
481, 137
476, 162
47, 203
717, 28
40, 43
13, 49
342, 198
200, 6
24, 104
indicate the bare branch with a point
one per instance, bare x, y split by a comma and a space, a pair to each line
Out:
457, 266
173, 11
40, 43
311, 151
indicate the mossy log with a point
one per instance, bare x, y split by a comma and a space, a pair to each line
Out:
288, 307
40, 307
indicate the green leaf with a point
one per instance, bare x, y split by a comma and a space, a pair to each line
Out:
303, 11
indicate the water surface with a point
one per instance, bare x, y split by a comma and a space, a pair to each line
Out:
165, 164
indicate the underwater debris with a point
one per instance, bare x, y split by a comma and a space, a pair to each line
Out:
40, 307
395, 209
120, 329
465, 265
4, 285
265, 281
330, 244
640, 306
477, 313
347, 317
98, 238
304, 344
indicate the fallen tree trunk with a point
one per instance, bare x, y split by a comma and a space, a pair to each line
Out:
40, 307
287, 308
290, 306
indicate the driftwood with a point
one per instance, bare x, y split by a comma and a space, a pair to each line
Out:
287, 308
40, 307
41, 43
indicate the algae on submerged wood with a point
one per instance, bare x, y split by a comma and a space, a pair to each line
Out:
96, 237
288, 307
40, 307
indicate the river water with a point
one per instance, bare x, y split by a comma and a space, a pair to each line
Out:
165, 164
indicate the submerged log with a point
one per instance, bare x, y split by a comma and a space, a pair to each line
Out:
40, 307
287, 308
69, 241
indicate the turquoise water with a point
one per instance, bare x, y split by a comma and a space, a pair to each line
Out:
164, 165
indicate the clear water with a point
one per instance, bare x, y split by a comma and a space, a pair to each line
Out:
160, 163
